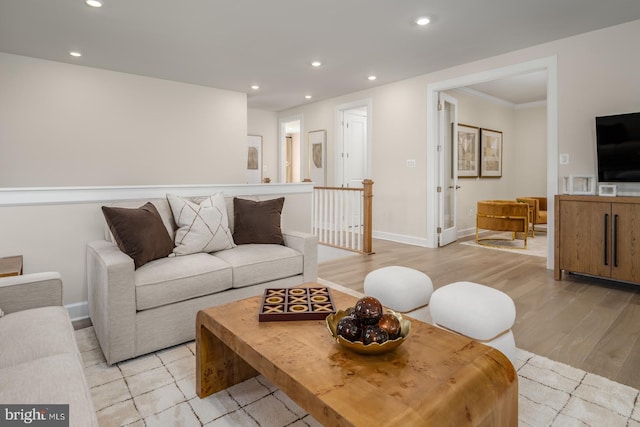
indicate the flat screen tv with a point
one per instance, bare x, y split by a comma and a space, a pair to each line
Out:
618, 148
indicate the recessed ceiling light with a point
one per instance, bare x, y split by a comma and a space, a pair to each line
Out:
372, 78
307, 97
94, 3
255, 87
74, 53
316, 63
423, 20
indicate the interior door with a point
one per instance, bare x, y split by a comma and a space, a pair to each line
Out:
448, 179
289, 159
354, 142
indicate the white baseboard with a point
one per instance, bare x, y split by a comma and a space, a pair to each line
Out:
401, 238
78, 310
466, 232
417, 241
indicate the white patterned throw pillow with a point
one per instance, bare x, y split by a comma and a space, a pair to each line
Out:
202, 227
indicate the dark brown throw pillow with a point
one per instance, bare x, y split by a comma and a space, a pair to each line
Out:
257, 222
139, 232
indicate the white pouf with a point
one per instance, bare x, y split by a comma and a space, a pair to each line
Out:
399, 288
478, 312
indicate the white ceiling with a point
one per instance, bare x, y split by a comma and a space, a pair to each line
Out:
516, 90
232, 44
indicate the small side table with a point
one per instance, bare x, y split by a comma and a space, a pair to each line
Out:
11, 266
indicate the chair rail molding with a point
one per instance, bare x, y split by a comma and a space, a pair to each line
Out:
25, 196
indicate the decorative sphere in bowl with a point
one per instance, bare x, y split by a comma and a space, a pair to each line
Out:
349, 328
368, 310
358, 346
390, 323
374, 334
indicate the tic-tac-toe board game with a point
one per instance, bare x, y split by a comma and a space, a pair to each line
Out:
280, 304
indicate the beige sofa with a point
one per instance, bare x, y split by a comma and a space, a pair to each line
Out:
138, 311
40, 363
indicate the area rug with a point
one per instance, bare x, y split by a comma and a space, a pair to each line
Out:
159, 390
536, 246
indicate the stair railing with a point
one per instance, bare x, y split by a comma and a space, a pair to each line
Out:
342, 217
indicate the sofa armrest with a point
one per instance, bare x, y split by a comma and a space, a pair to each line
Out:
19, 293
112, 299
307, 245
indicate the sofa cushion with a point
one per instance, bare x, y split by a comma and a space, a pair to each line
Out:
257, 222
162, 206
57, 379
202, 227
169, 280
31, 334
257, 263
140, 233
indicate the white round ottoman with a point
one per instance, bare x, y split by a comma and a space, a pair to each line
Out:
399, 288
478, 312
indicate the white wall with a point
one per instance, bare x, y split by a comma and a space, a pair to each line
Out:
74, 126
530, 156
596, 76
69, 125
265, 124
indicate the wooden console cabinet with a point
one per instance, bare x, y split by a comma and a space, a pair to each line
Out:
599, 236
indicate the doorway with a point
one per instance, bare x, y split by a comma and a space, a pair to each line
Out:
353, 144
546, 64
290, 150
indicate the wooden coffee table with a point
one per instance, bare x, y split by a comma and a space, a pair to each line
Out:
435, 378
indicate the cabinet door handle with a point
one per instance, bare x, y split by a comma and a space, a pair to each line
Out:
606, 237
615, 240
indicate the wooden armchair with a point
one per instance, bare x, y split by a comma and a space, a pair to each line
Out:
537, 209
502, 215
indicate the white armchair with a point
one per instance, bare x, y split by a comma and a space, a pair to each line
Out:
35, 290
39, 358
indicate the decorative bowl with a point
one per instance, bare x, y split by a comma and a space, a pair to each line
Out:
373, 348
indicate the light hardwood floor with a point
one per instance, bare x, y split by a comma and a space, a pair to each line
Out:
588, 323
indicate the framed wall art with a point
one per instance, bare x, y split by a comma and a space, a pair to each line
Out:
491, 153
318, 157
254, 159
468, 151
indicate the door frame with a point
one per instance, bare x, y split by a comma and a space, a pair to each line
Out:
282, 146
550, 64
340, 109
